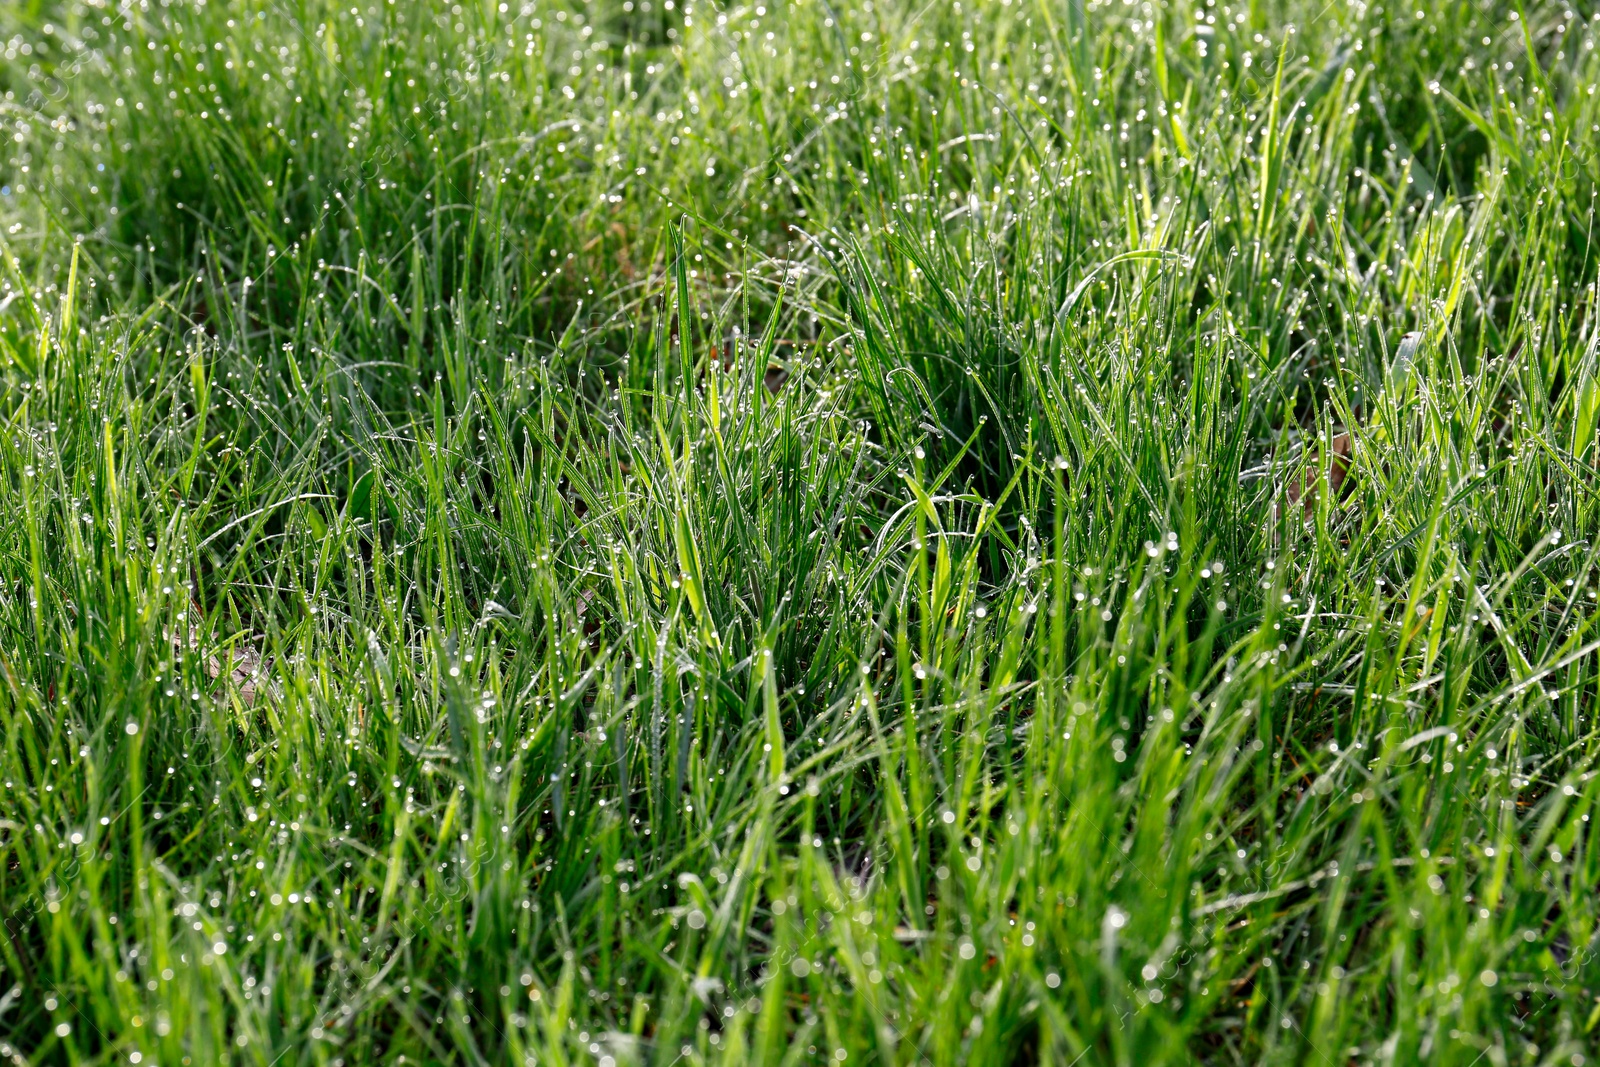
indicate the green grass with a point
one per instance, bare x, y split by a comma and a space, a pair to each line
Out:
1009, 531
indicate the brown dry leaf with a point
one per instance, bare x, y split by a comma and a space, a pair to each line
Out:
242, 663
244, 667
1303, 490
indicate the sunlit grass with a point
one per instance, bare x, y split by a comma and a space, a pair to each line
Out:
609, 533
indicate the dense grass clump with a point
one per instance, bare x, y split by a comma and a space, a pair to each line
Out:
1000, 531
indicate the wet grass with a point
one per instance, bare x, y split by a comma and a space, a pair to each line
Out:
621, 533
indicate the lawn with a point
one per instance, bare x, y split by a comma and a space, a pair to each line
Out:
585, 532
